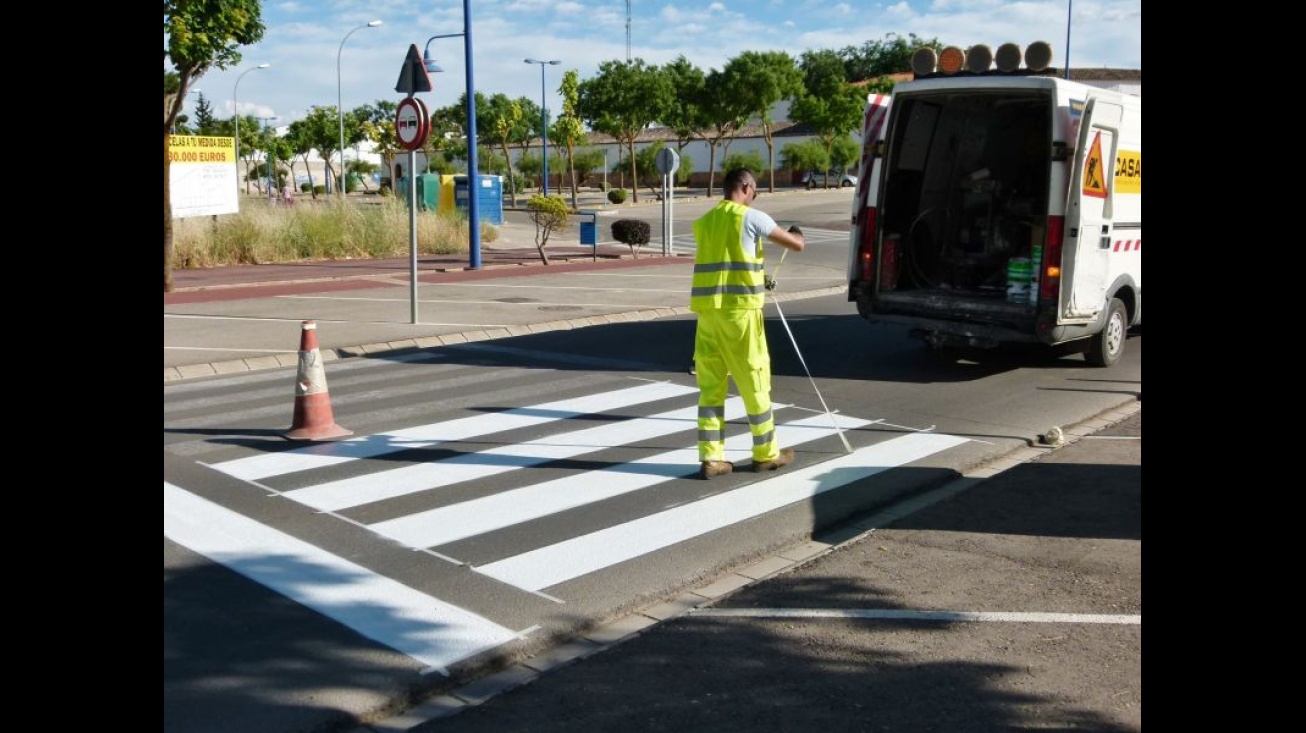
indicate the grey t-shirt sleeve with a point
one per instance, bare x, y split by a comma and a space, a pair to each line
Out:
758, 225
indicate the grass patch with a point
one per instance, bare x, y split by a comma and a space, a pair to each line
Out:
325, 229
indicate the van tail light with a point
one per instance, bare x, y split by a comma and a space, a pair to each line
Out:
1049, 277
866, 247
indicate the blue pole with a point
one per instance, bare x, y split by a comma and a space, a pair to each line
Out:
544, 132
473, 175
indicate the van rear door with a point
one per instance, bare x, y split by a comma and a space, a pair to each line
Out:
1089, 211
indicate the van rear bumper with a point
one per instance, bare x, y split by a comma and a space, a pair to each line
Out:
938, 332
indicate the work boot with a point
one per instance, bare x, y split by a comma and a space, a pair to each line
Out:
708, 469
784, 459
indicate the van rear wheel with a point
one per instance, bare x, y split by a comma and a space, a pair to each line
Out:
1105, 348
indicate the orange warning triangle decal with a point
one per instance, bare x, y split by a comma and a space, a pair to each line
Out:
1094, 175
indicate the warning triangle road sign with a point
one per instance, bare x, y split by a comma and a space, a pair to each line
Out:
1094, 175
413, 77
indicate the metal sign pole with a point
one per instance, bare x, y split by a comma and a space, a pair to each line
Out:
665, 203
667, 162
412, 233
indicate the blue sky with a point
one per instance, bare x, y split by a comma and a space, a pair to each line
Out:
303, 42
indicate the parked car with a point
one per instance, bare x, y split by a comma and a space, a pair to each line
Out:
812, 179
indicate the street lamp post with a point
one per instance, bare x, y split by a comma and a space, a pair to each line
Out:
544, 121
473, 175
235, 118
1069, 3
340, 107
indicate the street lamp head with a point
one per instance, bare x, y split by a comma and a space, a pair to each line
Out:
262, 66
373, 23
429, 63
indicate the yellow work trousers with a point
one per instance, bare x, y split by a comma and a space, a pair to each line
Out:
732, 344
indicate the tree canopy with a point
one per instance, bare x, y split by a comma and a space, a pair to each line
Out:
198, 35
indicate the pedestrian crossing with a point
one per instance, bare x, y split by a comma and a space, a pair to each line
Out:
483, 477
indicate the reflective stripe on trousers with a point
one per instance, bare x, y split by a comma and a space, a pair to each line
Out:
732, 344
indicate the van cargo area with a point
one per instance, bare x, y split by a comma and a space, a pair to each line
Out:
965, 205
1000, 206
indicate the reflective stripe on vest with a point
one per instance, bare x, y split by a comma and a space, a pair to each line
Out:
728, 273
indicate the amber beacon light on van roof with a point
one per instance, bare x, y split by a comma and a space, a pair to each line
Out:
979, 59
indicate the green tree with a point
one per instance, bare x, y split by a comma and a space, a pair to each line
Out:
724, 108
550, 214
500, 117
764, 79
300, 147
752, 160
197, 35
623, 99
250, 127
808, 155
379, 127
321, 130
205, 123
683, 115
874, 60
830, 105
448, 139
586, 161
569, 130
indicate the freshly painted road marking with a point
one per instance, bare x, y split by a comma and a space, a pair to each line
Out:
478, 516
378, 486
425, 628
553, 564
905, 615
319, 455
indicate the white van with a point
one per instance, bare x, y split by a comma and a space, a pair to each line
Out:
1000, 206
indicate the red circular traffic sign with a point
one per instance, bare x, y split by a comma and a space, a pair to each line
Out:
412, 123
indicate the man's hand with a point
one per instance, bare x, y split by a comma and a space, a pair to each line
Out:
769, 282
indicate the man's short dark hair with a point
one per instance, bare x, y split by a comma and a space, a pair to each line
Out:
736, 178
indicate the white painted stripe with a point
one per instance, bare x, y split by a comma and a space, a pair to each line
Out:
318, 455
902, 615
547, 566
427, 629
504, 509
382, 485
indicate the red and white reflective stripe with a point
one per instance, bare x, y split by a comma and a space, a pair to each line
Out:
1127, 245
877, 109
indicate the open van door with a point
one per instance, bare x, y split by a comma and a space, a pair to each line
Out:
1089, 210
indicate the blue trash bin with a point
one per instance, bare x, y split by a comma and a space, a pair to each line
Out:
489, 197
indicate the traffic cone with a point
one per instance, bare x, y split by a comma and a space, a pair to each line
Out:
313, 418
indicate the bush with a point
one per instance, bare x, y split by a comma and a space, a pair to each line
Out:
617, 196
632, 232
262, 233
305, 187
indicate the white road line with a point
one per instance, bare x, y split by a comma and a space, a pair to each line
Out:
356, 491
903, 615
427, 629
548, 566
478, 516
261, 466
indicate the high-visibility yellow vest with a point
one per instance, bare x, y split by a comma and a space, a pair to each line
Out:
728, 272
